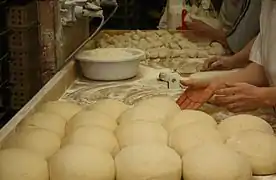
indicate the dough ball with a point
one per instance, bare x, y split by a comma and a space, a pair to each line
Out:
141, 132
142, 113
258, 147
148, 162
232, 125
81, 162
38, 141
186, 117
49, 122
184, 138
215, 162
94, 136
20, 164
165, 105
111, 107
65, 109
90, 118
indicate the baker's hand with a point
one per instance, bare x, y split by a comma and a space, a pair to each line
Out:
200, 28
219, 63
240, 97
197, 93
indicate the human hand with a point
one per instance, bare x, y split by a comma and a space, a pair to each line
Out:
219, 63
201, 29
240, 97
197, 93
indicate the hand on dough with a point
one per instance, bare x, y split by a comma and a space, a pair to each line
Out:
222, 63
197, 93
240, 97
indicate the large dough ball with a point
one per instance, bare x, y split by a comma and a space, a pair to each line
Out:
38, 141
94, 136
187, 117
20, 164
215, 162
49, 122
258, 147
184, 138
165, 105
81, 162
110, 107
62, 108
90, 118
235, 124
142, 113
148, 162
141, 132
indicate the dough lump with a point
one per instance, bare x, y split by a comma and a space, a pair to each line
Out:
49, 122
38, 141
141, 132
90, 118
81, 162
165, 105
235, 124
94, 136
148, 162
188, 137
111, 107
65, 109
259, 149
20, 164
186, 117
215, 162
209, 75
142, 112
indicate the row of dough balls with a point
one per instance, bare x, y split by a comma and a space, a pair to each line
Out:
161, 44
141, 135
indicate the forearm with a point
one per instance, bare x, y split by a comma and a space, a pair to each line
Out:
242, 57
252, 74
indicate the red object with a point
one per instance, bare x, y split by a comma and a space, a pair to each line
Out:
184, 14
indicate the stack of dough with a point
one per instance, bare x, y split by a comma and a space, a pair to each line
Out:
162, 47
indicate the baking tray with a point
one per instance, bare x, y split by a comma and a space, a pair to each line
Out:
68, 84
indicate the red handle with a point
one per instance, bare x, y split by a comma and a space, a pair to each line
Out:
184, 14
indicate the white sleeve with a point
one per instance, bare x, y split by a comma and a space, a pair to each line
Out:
255, 53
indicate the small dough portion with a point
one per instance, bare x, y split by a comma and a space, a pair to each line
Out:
90, 118
20, 164
38, 141
216, 162
111, 107
188, 137
235, 124
62, 108
94, 136
259, 149
164, 104
148, 162
50, 122
186, 117
81, 162
141, 132
142, 113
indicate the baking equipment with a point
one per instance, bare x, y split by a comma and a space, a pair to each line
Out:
172, 79
109, 70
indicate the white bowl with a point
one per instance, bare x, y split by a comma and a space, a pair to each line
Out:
112, 68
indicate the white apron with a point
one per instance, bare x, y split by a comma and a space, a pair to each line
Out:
263, 51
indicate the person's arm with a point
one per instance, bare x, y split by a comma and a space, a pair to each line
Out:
242, 57
253, 74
